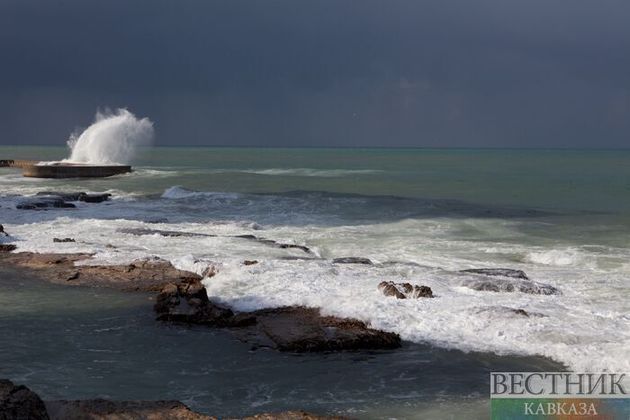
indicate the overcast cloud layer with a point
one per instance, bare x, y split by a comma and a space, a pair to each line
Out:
446, 73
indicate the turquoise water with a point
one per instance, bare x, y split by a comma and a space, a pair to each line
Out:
595, 180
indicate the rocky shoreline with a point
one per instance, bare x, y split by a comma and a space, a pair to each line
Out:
19, 402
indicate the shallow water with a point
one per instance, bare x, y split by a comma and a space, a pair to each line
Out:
75, 342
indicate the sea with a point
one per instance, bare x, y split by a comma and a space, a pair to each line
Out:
420, 215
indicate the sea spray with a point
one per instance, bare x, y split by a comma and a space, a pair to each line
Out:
113, 138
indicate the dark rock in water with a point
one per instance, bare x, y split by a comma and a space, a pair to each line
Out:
505, 310
44, 202
61, 240
66, 196
274, 243
503, 272
7, 247
188, 303
294, 328
19, 402
2, 232
94, 198
100, 409
76, 196
405, 290
250, 262
168, 233
352, 260
300, 329
510, 285
292, 415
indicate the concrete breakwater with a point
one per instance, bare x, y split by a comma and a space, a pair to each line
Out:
35, 169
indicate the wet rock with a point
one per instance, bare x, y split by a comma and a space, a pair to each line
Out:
62, 240
188, 303
77, 196
2, 232
94, 198
100, 409
274, 243
352, 260
19, 402
510, 285
503, 272
300, 329
7, 247
250, 262
507, 311
140, 275
44, 202
294, 328
292, 415
405, 290
168, 233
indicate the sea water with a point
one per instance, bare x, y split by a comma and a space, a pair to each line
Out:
562, 216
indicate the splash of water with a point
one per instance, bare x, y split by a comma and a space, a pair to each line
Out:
113, 138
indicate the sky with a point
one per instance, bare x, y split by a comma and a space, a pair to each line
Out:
347, 73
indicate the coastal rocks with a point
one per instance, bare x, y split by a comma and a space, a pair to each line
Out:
275, 243
188, 303
505, 311
510, 285
44, 202
292, 328
352, 260
59, 200
300, 329
140, 275
166, 233
100, 409
502, 272
7, 247
77, 196
250, 262
19, 402
292, 415
404, 290
2, 232
63, 240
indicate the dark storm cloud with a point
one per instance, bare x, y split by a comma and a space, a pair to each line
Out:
376, 73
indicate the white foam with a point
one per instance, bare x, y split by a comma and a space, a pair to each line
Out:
587, 327
113, 138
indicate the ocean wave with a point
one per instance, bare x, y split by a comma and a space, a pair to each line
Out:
306, 172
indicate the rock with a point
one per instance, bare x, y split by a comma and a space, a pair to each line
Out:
292, 415
44, 202
293, 328
100, 409
77, 196
250, 262
352, 260
510, 285
404, 290
7, 247
300, 329
503, 272
2, 232
94, 198
19, 402
62, 240
188, 303
274, 243
507, 311
168, 233
141, 275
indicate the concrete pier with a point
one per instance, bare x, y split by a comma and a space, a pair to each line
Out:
35, 169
